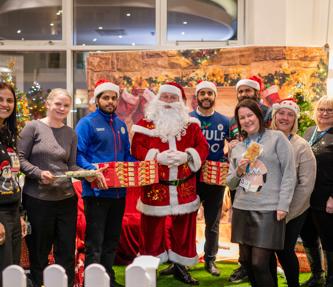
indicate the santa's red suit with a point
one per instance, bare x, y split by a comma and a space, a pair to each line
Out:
174, 195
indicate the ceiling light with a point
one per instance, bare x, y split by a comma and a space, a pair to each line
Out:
100, 28
83, 44
18, 31
183, 33
59, 12
95, 39
133, 44
128, 14
22, 39
51, 24
120, 36
185, 22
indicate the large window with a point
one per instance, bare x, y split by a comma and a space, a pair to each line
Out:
48, 41
105, 22
202, 20
30, 20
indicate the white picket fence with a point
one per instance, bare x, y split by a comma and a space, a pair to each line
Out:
141, 273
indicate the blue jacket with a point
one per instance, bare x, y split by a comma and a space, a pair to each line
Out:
101, 138
215, 129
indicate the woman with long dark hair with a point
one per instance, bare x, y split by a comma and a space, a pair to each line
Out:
12, 227
262, 171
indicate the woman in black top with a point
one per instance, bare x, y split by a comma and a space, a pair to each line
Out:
12, 227
320, 137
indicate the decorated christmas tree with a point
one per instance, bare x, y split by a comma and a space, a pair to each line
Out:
36, 101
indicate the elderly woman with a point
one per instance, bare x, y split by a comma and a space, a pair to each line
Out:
319, 225
285, 115
262, 171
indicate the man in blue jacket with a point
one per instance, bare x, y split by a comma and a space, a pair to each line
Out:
102, 137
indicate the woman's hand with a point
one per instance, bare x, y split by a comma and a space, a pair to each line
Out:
233, 143
329, 205
24, 228
280, 214
241, 168
2, 234
46, 177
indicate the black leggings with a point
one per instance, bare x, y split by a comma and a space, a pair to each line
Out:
287, 256
260, 264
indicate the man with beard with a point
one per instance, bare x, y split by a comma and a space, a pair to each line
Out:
102, 137
246, 89
215, 128
169, 135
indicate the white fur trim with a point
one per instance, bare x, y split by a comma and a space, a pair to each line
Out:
168, 209
151, 154
170, 89
163, 257
142, 130
196, 164
148, 95
194, 120
173, 194
247, 82
205, 85
107, 86
186, 261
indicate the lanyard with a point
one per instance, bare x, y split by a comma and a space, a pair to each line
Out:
316, 137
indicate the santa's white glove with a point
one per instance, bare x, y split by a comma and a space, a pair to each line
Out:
178, 157
164, 157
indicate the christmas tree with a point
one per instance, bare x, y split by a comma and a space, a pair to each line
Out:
36, 101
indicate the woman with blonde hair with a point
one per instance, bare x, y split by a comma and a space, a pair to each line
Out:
319, 224
285, 118
47, 148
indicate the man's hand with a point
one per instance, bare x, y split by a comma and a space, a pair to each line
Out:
2, 234
329, 205
24, 227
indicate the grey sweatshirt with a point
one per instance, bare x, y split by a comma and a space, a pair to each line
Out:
306, 176
276, 167
43, 148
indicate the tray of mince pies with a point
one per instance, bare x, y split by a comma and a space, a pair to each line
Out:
214, 172
129, 174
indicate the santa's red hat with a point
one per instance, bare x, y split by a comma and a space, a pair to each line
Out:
105, 85
172, 88
205, 85
248, 82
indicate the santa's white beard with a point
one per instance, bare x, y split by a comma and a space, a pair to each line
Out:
169, 118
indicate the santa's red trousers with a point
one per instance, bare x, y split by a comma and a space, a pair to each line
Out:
182, 234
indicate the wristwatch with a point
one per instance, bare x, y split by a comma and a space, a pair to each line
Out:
189, 157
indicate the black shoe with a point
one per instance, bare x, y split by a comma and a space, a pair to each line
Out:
211, 268
115, 284
181, 274
239, 275
168, 271
315, 258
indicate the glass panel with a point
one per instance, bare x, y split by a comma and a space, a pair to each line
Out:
35, 74
30, 20
105, 22
202, 20
80, 87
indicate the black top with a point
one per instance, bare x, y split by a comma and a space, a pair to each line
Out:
323, 151
10, 192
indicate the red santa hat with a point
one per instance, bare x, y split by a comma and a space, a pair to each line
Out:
248, 82
205, 85
172, 88
105, 85
287, 104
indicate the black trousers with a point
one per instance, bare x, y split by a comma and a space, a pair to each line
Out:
309, 232
104, 221
287, 256
52, 223
212, 200
10, 251
324, 224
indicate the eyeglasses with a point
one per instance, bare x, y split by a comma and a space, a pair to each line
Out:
322, 110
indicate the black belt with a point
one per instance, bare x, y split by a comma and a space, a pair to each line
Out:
176, 182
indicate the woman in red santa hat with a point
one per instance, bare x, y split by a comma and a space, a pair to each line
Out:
169, 135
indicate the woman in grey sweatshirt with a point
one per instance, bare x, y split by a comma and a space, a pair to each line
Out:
264, 185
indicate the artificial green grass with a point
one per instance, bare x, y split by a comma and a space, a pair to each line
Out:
206, 280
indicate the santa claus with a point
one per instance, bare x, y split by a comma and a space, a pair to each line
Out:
169, 135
